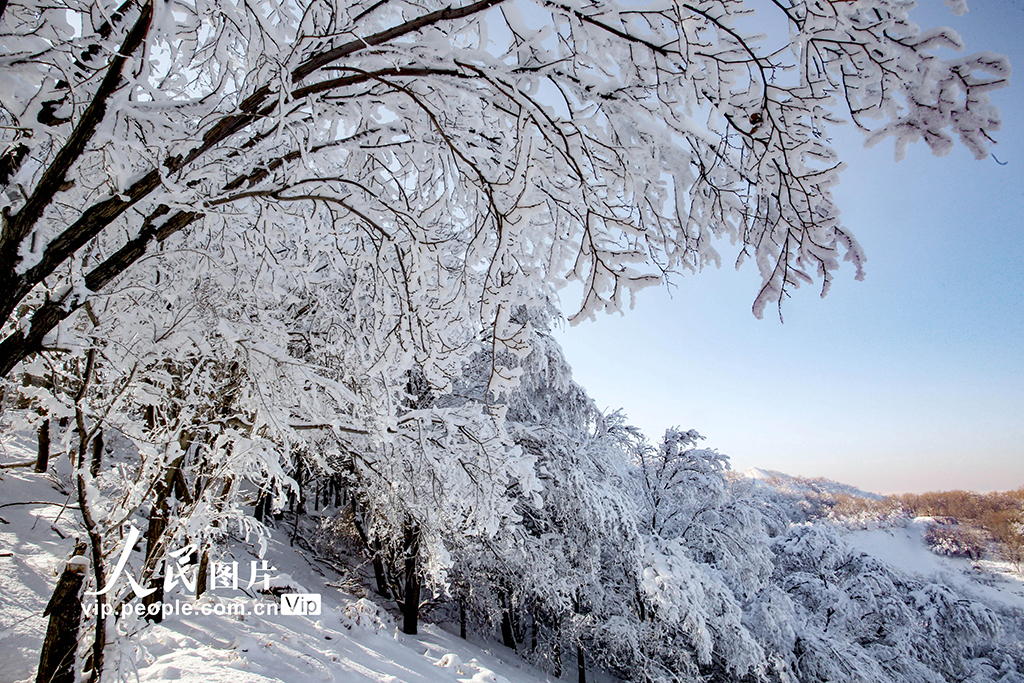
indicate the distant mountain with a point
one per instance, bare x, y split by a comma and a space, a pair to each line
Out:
803, 487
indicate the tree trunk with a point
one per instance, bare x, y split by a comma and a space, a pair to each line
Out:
556, 651
462, 617
94, 663
535, 616
57, 658
203, 576
299, 498
581, 664
262, 512
508, 637
298, 501
179, 488
43, 458
411, 603
373, 547
157, 522
379, 575
97, 453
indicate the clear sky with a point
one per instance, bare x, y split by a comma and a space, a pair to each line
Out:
912, 380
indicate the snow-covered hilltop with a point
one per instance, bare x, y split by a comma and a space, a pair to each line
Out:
804, 486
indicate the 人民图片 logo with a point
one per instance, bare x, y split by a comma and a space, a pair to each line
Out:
181, 569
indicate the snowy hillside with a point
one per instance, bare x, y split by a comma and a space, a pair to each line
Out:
803, 487
240, 635
991, 581
352, 640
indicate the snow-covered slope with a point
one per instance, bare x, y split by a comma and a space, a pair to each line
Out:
348, 643
352, 640
802, 486
903, 547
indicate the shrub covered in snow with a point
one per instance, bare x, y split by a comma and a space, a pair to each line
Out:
955, 540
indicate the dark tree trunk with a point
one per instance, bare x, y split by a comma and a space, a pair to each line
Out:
411, 603
97, 453
43, 458
508, 637
203, 575
94, 663
298, 501
57, 658
379, 575
462, 617
556, 652
581, 664
157, 523
533, 628
262, 512
299, 497
179, 487
373, 547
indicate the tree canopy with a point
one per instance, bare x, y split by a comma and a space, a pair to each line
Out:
454, 160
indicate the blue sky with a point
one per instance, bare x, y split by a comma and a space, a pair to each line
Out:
912, 380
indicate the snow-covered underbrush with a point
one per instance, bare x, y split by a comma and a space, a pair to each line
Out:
955, 540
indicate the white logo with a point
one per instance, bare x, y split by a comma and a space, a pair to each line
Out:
300, 604
183, 572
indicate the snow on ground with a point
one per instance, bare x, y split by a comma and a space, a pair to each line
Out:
351, 641
36, 532
992, 582
212, 649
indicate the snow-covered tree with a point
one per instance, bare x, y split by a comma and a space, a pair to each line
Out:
466, 157
706, 556
847, 616
233, 231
